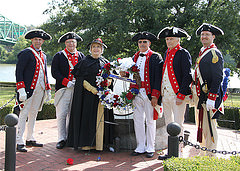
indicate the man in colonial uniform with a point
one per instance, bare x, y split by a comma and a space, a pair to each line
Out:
176, 77
150, 64
62, 65
207, 88
32, 86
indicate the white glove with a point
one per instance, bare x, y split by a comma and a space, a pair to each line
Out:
22, 94
49, 96
210, 104
70, 84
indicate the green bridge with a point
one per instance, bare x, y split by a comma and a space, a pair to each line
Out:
10, 31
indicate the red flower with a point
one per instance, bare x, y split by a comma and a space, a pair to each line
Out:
115, 104
134, 68
70, 161
116, 97
107, 66
134, 86
129, 95
104, 83
106, 93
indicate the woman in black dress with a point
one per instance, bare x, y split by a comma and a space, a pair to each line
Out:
86, 126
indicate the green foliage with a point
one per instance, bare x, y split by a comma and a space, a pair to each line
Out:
3, 53
202, 163
19, 46
48, 112
6, 93
6, 110
115, 21
231, 115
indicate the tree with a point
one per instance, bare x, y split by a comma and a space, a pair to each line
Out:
19, 46
115, 21
3, 53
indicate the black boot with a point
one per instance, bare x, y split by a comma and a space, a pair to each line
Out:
21, 148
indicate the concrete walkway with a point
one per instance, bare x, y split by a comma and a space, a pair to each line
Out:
50, 158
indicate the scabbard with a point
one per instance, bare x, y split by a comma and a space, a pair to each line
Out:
200, 123
210, 125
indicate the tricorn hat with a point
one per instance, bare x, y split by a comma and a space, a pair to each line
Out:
69, 35
99, 41
144, 35
173, 32
209, 27
37, 33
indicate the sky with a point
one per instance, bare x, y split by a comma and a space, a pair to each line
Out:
25, 12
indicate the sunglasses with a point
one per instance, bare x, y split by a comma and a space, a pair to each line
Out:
144, 41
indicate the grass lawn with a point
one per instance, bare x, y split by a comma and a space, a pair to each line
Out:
6, 93
233, 100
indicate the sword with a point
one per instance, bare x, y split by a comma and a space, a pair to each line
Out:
210, 125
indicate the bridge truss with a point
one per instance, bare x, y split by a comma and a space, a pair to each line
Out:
10, 31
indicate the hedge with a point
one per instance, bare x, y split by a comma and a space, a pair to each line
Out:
48, 112
198, 163
231, 115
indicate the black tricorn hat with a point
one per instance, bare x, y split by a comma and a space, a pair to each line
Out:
37, 33
99, 41
69, 35
173, 32
209, 27
144, 35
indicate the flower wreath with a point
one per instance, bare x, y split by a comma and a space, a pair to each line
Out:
107, 97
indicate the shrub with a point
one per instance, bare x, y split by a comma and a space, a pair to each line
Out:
48, 112
202, 163
6, 110
229, 114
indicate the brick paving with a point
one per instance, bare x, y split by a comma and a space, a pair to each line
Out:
49, 158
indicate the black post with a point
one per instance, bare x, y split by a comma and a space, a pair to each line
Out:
186, 135
10, 145
173, 130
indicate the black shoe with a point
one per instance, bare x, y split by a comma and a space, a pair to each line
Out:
61, 144
21, 148
134, 153
33, 144
149, 155
163, 157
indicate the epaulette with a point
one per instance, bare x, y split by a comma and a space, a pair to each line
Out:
215, 57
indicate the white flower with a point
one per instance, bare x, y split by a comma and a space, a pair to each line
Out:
99, 79
126, 63
111, 98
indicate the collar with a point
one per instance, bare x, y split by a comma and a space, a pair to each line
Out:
37, 50
72, 53
208, 47
175, 49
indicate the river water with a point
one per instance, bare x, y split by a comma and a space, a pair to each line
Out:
7, 74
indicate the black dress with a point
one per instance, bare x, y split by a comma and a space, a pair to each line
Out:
82, 124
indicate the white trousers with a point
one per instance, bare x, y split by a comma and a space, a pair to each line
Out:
29, 111
206, 136
173, 112
63, 109
144, 113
